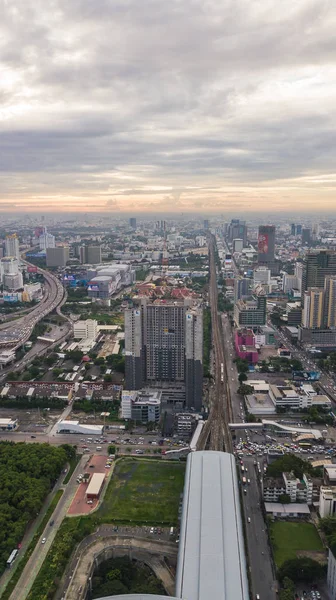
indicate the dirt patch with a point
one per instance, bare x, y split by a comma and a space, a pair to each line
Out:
319, 555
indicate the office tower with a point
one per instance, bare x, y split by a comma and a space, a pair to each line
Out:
57, 257
237, 230
90, 255
46, 240
164, 345
206, 224
250, 312
317, 266
330, 301
293, 229
313, 305
298, 229
12, 246
266, 244
133, 222
242, 288
306, 236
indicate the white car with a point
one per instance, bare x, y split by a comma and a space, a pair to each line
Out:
44, 540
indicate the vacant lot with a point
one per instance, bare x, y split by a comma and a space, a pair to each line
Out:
143, 491
290, 538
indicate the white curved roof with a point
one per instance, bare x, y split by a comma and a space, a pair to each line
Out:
211, 562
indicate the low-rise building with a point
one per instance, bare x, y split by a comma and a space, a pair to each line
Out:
77, 427
85, 329
8, 424
95, 486
327, 501
141, 405
298, 490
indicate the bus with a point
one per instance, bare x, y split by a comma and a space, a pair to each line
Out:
11, 558
305, 445
244, 480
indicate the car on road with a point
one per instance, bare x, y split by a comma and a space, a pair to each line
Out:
33, 437
249, 519
44, 540
151, 530
51, 522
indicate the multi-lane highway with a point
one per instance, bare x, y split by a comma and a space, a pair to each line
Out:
19, 330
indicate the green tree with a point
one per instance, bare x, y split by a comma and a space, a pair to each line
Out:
301, 569
242, 377
284, 499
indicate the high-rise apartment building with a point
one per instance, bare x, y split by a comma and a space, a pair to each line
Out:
12, 246
57, 257
133, 222
90, 254
164, 345
330, 301
46, 240
293, 229
316, 267
313, 308
206, 224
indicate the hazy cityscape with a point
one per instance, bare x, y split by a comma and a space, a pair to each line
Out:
167, 300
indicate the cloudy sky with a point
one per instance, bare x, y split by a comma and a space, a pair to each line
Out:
181, 105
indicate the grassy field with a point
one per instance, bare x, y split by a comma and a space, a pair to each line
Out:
143, 492
290, 538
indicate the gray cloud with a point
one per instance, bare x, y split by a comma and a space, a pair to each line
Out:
113, 97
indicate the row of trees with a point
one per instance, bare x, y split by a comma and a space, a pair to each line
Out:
27, 474
291, 462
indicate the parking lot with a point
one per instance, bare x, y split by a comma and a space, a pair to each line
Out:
80, 505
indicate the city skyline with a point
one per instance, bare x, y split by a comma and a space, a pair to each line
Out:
186, 107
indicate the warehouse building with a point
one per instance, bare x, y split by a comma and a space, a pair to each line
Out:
95, 486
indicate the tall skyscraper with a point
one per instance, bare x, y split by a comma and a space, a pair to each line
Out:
313, 308
293, 229
133, 222
317, 266
237, 230
330, 301
12, 246
206, 224
306, 236
266, 244
164, 345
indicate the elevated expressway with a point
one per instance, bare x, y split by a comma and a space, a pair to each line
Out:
16, 332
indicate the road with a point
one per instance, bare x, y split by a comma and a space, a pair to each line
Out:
34, 563
259, 554
21, 329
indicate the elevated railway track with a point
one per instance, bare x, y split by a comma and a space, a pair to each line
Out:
215, 434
